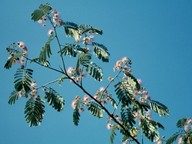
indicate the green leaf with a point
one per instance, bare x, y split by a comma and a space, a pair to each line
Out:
159, 108
89, 29
71, 29
13, 97
113, 134
23, 79
45, 8
122, 94
84, 58
11, 60
39, 13
127, 116
46, 51
34, 111
94, 71
133, 81
149, 128
76, 116
95, 110
181, 122
101, 52
69, 49
172, 138
113, 102
54, 99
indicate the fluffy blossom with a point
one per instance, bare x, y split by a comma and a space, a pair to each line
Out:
50, 32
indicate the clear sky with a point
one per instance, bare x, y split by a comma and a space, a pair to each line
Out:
155, 35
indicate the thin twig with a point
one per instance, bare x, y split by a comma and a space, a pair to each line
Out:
51, 82
56, 36
105, 109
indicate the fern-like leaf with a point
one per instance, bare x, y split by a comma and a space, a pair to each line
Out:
95, 110
149, 128
172, 138
122, 94
94, 71
181, 122
69, 49
159, 108
133, 81
46, 50
13, 97
101, 52
127, 116
39, 13
54, 99
12, 59
113, 102
23, 79
89, 29
113, 134
71, 29
34, 111
76, 116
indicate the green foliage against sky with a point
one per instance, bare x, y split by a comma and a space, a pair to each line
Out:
123, 97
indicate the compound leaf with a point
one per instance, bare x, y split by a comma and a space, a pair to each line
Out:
46, 51
95, 110
112, 134
23, 79
172, 138
13, 97
127, 116
159, 108
181, 122
39, 13
76, 116
34, 111
101, 52
54, 99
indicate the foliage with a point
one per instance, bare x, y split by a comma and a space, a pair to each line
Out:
34, 111
129, 106
23, 79
13, 97
39, 13
76, 116
54, 99
95, 110
184, 134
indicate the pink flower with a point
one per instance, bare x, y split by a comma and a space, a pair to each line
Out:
186, 127
33, 84
139, 81
50, 32
70, 70
124, 59
86, 98
102, 89
109, 126
40, 21
20, 94
73, 104
54, 11
180, 140
21, 44
159, 141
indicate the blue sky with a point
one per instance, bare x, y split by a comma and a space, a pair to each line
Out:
155, 35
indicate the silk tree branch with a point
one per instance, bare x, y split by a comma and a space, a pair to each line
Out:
105, 109
59, 44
